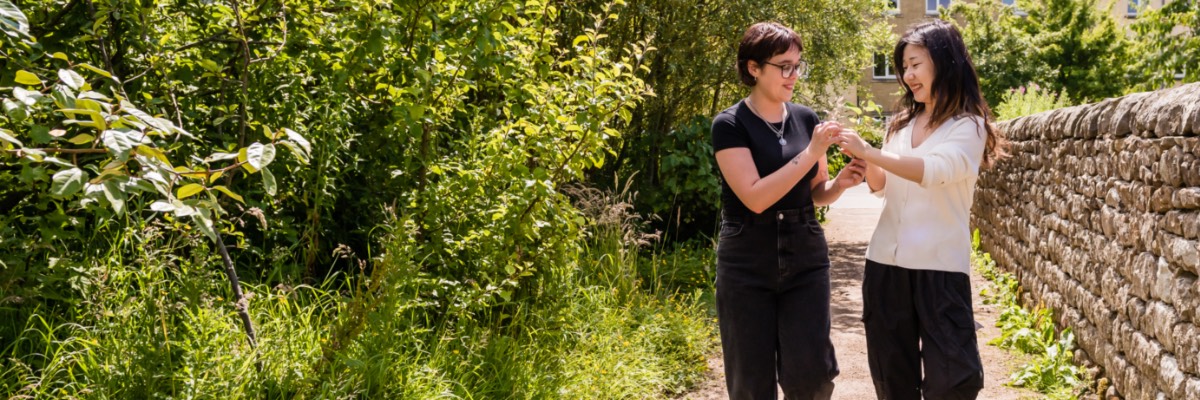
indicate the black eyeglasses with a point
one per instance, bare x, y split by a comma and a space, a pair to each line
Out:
800, 69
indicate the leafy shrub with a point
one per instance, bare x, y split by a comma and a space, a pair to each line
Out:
1029, 100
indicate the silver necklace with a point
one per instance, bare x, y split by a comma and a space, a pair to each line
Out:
782, 125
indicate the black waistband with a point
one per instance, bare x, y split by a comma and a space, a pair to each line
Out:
770, 217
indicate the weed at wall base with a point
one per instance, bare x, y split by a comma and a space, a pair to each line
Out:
1051, 370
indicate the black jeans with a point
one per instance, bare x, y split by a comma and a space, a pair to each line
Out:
773, 306
914, 316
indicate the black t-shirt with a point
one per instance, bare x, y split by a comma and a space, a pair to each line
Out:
737, 126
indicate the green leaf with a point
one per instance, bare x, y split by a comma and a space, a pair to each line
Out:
295, 148
26, 78
40, 134
153, 152
417, 111
118, 143
115, 193
15, 110
218, 156
13, 20
300, 140
71, 78
229, 193
98, 71
183, 210
4, 135
243, 159
81, 139
97, 120
579, 39
59, 55
210, 65
58, 162
164, 125
162, 206
260, 155
67, 182
204, 224
64, 98
28, 97
268, 182
188, 190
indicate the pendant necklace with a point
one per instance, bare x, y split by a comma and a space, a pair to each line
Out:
782, 125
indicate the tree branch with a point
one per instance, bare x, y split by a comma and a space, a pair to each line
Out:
240, 302
245, 73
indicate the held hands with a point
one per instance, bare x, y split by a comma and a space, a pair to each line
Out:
851, 175
852, 144
826, 134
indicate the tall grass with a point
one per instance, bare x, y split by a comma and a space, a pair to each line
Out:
626, 319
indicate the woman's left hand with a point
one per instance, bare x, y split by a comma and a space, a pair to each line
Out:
852, 174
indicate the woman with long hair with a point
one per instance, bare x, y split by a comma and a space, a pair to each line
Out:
917, 306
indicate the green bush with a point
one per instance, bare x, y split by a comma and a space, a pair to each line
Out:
427, 249
1029, 100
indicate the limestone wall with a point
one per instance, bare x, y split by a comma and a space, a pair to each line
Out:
1098, 214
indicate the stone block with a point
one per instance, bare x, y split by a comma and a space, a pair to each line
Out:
1187, 347
1164, 281
1186, 296
1180, 252
1186, 199
1193, 383
1146, 353
1170, 379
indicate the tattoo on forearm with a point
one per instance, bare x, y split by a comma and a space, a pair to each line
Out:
796, 160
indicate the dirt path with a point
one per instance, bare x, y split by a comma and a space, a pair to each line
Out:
852, 220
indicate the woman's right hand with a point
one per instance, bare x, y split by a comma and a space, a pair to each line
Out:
852, 144
826, 134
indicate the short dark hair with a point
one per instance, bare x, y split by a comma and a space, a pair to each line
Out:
761, 42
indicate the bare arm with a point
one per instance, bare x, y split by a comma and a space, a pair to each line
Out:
825, 191
758, 192
956, 157
909, 168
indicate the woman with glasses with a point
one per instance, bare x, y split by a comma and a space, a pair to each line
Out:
772, 258
917, 306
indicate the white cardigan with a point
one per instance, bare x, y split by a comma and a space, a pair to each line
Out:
926, 226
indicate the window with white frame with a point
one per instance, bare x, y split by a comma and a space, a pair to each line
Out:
1016, 10
1131, 8
931, 6
893, 7
883, 68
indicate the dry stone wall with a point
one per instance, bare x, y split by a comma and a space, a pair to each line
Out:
1097, 212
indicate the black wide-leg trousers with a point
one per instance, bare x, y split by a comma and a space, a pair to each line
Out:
773, 306
920, 319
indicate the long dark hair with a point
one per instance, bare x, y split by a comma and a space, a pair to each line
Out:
955, 84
